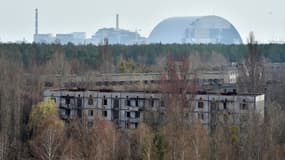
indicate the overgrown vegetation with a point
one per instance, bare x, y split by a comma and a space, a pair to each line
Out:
36, 132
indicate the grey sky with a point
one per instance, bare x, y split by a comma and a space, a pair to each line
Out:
265, 17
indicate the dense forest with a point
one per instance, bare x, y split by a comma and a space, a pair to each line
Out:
40, 53
31, 129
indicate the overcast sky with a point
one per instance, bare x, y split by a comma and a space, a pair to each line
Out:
265, 17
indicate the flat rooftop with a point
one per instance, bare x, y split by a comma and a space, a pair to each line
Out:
229, 93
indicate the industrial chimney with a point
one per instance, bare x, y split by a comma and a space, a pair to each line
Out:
117, 21
36, 21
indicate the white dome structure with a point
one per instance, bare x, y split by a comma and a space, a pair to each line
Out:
196, 30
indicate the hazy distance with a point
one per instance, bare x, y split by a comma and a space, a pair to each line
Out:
265, 18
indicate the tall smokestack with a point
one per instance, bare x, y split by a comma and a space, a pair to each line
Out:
117, 21
36, 21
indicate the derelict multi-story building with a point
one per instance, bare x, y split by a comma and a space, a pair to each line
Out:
127, 109
209, 80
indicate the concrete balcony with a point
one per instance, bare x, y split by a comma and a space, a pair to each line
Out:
134, 120
133, 108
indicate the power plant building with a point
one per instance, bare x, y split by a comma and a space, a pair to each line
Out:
117, 36
75, 38
196, 30
44, 38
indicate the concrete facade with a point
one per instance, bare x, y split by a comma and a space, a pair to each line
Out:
207, 79
127, 109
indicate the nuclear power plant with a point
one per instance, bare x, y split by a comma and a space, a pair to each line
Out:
197, 30
178, 30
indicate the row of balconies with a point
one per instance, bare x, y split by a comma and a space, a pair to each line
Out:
73, 103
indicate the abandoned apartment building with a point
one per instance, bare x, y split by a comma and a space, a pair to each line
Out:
209, 79
128, 108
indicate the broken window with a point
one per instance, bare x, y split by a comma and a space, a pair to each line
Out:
67, 100
137, 101
105, 101
200, 104
128, 102
128, 114
137, 114
90, 113
225, 104
79, 101
105, 113
152, 102
244, 105
90, 100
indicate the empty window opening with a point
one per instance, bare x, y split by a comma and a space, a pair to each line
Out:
90, 100
104, 113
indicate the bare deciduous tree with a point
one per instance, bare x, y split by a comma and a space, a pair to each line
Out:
95, 142
47, 142
251, 78
200, 61
104, 60
11, 92
178, 95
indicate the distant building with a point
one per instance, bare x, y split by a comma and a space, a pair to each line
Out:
114, 36
75, 38
117, 36
44, 38
63, 38
127, 109
196, 30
